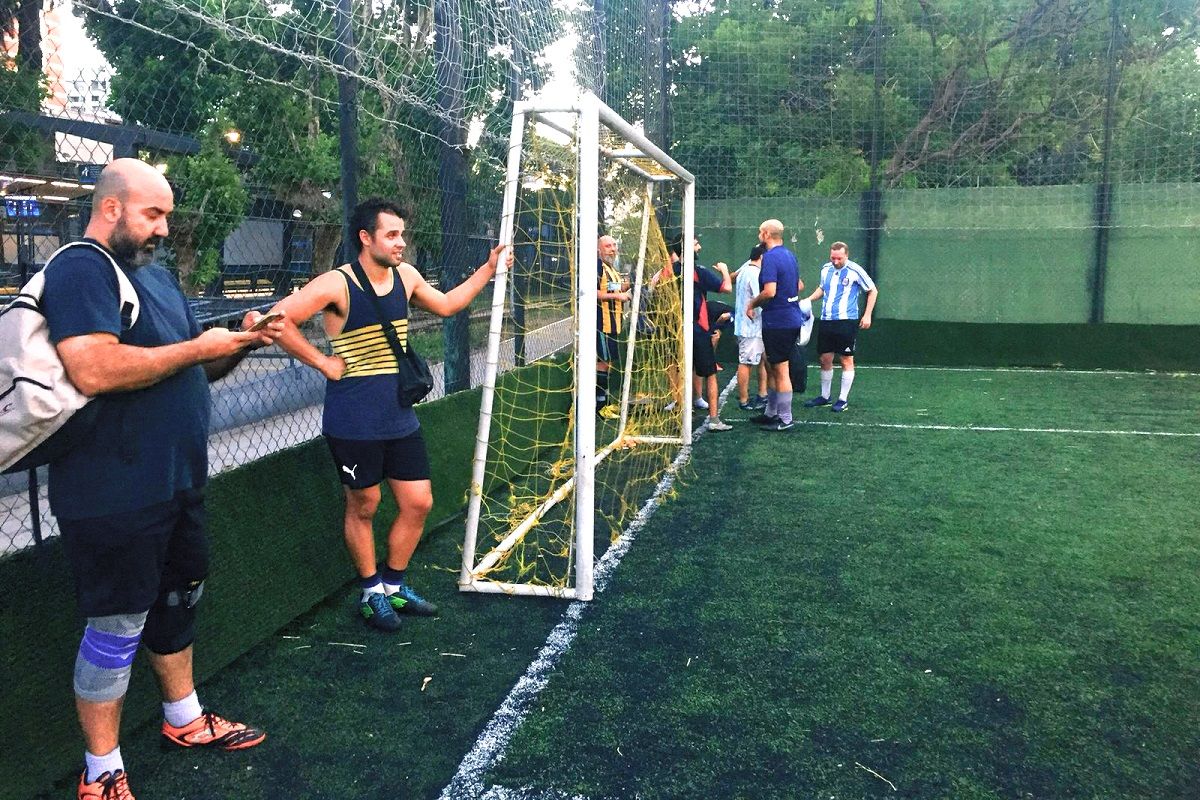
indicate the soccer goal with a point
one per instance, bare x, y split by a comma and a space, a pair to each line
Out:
558, 472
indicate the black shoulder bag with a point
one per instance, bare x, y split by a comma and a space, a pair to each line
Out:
415, 379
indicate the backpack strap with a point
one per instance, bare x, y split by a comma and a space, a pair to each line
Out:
130, 307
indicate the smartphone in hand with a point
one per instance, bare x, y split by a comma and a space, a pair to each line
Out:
265, 320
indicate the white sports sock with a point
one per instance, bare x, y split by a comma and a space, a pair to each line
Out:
98, 765
826, 382
783, 405
181, 712
376, 589
847, 382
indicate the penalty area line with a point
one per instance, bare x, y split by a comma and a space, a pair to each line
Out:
1148, 373
467, 783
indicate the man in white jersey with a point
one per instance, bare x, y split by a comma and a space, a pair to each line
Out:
841, 283
748, 330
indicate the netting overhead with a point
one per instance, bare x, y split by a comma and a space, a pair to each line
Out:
591, 418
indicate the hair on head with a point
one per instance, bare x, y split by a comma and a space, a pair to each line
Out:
365, 216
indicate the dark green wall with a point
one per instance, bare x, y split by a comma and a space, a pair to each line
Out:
1074, 346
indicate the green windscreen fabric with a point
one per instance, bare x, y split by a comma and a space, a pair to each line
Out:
1007, 255
1154, 255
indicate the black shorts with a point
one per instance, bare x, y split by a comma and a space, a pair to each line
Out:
606, 347
778, 343
717, 309
122, 562
366, 462
704, 360
837, 336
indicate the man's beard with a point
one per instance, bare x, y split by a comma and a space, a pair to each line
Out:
386, 259
129, 250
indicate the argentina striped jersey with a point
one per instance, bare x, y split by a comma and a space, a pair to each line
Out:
842, 288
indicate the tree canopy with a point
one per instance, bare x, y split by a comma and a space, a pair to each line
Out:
780, 97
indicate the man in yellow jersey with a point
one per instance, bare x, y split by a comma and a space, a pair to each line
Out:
371, 435
611, 296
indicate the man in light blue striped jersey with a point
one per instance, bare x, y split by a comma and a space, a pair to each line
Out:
842, 281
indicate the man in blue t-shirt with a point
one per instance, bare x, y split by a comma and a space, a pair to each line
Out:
129, 502
841, 283
781, 321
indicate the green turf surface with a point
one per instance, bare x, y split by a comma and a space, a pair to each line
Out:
966, 613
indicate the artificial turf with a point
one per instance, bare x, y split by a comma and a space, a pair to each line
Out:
835, 611
826, 612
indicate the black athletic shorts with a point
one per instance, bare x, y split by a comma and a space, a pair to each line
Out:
704, 359
837, 336
716, 309
366, 462
122, 562
778, 343
606, 347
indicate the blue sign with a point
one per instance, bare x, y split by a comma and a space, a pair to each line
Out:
90, 173
22, 206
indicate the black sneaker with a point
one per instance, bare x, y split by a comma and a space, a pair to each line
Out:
816, 401
406, 601
764, 419
778, 426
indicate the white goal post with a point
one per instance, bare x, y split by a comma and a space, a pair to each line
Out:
582, 121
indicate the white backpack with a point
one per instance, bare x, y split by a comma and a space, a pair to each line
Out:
38, 403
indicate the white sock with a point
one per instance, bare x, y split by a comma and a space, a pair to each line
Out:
847, 382
98, 765
783, 406
181, 712
826, 382
369, 590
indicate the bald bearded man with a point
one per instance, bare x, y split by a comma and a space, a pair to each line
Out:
130, 502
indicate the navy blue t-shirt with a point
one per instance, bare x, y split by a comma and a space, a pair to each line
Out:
150, 443
779, 266
706, 281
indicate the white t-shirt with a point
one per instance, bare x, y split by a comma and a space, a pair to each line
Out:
745, 290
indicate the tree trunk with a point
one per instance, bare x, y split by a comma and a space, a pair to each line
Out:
29, 37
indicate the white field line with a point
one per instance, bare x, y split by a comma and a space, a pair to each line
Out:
467, 783
1028, 370
996, 429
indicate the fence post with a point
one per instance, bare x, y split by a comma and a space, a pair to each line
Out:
347, 121
1104, 192
452, 188
871, 204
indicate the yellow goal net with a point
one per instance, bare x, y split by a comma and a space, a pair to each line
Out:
583, 409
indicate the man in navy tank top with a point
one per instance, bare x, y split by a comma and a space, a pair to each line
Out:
373, 437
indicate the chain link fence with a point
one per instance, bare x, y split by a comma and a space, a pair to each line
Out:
1007, 161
